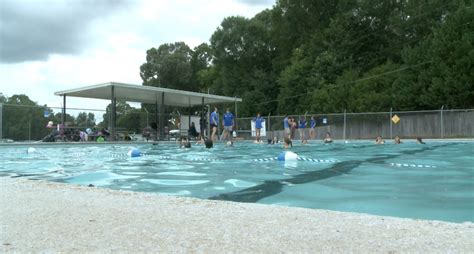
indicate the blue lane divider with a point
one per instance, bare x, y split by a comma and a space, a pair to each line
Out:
266, 159
161, 157
411, 165
298, 158
316, 160
202, 159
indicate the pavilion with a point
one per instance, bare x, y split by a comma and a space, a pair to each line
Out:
158, 96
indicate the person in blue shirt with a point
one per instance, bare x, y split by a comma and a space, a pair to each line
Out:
258, 126
312, 126
214, 123
286, 126
228, 121
302, 127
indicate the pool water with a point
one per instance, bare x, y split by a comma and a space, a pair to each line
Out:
431, 181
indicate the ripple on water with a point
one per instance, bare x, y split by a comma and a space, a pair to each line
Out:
179, 167
133, 173
240, 183
173, 182
181, 173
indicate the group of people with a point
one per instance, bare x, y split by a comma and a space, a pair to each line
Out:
64, 133
379, 140
290, 125
228, 122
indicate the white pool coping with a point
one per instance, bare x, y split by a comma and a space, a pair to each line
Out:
39, 216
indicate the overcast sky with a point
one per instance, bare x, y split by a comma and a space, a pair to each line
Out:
52, 45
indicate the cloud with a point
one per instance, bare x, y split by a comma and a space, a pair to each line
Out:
34, 30
257, 2
105, 41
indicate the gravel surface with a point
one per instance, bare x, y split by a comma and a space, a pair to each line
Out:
37, 216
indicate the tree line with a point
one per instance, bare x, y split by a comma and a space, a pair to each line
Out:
330, 56
24, 119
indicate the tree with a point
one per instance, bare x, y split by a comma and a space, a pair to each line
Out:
24, 119
451, 52
84, 119
200, 65
169, 66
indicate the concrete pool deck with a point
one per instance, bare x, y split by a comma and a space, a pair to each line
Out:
38, 216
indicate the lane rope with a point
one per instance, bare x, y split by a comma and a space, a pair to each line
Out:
411, 165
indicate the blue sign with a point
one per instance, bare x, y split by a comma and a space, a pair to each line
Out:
46, 113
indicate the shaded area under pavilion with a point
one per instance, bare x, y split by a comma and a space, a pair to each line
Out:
158, 96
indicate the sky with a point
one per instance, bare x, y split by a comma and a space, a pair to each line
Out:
53, 45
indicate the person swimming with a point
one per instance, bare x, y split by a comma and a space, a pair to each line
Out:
287, 143
328, 138
419, 141
397, 140
185, 143
209, 144
379, 140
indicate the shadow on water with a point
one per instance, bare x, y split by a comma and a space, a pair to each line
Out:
270, 188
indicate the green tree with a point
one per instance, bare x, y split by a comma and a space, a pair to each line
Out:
84, 119
23, 119
200, 65
169, 66
448, 77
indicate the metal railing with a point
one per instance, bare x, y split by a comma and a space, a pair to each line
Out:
442, 123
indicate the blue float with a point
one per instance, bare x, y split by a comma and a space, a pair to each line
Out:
134, 153
287, 156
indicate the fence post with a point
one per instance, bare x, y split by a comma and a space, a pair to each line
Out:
344, 129
268, 126
391, 126
442, 123
235, 107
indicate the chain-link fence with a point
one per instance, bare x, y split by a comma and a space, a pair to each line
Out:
33, 123
30, 122
406, 124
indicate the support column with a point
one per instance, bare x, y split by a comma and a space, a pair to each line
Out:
63, 116
156, 118
209, 133
202, 128
162, 117
113, 113
189, 115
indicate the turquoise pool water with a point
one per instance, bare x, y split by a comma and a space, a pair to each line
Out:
432, 181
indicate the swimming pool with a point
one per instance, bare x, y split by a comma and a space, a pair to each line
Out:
432, 181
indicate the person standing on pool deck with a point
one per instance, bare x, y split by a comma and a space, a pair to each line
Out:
228, 121
312, 126
302, 127
258, 126
214, 122
293, 127
286, 126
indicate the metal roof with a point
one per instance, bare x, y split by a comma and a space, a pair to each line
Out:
146, 94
